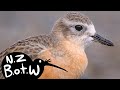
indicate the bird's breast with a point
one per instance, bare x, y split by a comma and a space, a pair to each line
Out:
68, 56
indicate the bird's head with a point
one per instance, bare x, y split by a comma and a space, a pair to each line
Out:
79, 29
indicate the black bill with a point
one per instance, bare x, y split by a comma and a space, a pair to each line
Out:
102, 40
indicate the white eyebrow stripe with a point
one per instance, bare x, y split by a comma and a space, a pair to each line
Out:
91, 28
67, 22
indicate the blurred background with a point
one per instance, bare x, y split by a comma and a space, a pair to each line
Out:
104, 62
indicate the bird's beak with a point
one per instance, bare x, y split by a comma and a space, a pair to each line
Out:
102, 40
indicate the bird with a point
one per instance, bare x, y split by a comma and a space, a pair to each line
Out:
65, 46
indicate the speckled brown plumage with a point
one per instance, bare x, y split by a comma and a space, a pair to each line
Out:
60, 49
78, 17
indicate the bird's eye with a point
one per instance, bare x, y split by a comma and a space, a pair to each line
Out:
78, 27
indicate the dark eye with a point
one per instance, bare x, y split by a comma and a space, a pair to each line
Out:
78, 27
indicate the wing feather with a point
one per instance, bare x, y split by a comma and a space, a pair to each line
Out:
31, 46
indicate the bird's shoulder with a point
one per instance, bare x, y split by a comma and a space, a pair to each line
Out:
30, 46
